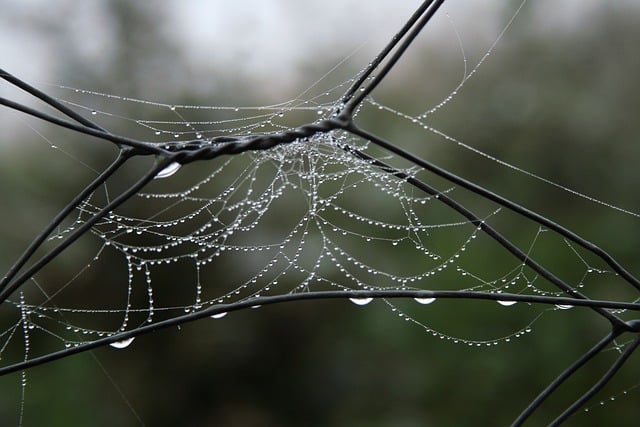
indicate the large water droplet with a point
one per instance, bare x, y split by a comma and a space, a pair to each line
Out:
506, 303
122, 344
564, 306
219, 315
169, 170
361, 301
424, 300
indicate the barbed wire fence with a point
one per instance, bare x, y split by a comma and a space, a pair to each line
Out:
340, 142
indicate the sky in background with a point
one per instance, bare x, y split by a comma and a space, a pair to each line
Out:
281, 46
273, 37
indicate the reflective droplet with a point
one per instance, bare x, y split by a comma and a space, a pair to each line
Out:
361, 301
219, 315
506, 303
564, 306
168, 171
424, 300
94, 112
122, 344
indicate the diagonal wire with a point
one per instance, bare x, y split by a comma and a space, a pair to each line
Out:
560, 379
600, 384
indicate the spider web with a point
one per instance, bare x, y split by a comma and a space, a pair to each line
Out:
330, 213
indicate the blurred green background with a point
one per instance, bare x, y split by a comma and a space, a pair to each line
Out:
557, 96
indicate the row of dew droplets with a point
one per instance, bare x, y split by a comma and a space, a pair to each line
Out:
426, 301
259, 119
166, 172
473, 343
365, 301
173, 167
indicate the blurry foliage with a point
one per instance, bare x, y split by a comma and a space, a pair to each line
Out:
561, 105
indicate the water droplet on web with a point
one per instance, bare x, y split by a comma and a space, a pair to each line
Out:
506, 303
122, 344
424, 300
564, 306
168, 171
219, 315
361, 301
94, 112
172, 108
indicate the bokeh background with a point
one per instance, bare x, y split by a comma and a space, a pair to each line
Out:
557, 96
